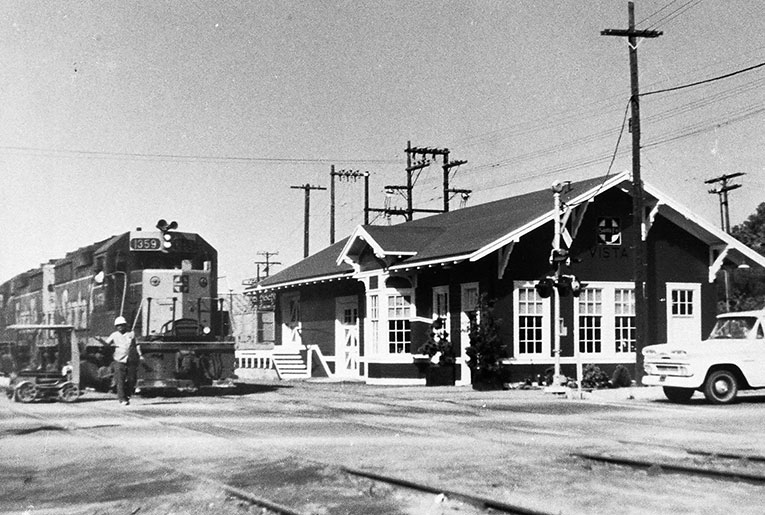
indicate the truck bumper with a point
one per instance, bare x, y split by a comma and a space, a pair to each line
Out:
673, 381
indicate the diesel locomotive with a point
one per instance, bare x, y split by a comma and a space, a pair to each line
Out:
163, 281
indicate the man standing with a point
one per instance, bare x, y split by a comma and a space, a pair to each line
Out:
127, 355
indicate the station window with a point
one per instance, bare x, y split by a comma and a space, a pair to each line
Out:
399, 325
530, 321
590, 320
624, 319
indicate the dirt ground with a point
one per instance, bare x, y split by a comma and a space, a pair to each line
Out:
293, 443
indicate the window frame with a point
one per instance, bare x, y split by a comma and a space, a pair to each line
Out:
377, 330
545, 347
608, 317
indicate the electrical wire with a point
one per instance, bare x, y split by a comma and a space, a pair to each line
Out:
585, 162
655, 13
675, 14
182, 157
616, 148
706, 81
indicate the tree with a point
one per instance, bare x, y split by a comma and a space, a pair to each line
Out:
747, 288
486, 350
752, 230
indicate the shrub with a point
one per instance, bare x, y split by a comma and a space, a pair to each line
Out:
621, 377
594, 377
486, 349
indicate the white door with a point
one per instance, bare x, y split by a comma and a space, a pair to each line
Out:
291, 328
347, 337
683, 312
469, 310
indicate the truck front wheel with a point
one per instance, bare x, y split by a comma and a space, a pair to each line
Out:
678, 395
721, 387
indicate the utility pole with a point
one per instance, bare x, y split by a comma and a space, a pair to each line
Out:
722, 192
413, 166
346, 175
638, 201
267, 263
307, 189
447, 166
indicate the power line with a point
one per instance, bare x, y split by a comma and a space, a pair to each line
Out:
656, 13
704, 81
603, 158
189, 157
676, 13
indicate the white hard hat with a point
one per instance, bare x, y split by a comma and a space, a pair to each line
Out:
120, 321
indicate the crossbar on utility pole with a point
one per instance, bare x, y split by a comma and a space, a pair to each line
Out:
638, 201
347, 175
722, 193
307, 188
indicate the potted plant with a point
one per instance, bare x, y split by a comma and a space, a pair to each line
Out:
487, 355
436, 357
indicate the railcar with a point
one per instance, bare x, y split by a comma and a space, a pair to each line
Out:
163, 281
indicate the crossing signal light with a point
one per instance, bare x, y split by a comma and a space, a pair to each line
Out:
565, 284
569, 285
545, 287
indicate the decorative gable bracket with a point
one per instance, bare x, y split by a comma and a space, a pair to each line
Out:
503, 258
715, 264
649, 215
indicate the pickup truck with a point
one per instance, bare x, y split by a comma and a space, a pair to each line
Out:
731, 359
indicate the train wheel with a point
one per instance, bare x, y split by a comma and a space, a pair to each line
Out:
26, 392
69, 392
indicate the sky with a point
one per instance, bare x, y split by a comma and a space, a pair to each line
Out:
119, 113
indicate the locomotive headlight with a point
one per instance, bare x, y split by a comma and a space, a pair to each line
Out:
168, 240
206, 330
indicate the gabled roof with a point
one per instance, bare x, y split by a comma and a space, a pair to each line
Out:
474, 232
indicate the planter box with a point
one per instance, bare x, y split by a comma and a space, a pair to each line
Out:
486, 380
437, 375
422, 362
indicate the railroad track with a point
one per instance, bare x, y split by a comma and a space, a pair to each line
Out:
620, 453
450, 500
723, 467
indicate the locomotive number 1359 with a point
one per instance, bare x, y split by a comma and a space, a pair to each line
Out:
145, 244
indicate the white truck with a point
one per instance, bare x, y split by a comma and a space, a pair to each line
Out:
731, 359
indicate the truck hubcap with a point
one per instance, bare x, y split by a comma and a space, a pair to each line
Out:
722, 386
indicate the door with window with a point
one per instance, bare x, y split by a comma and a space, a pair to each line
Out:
291, 328
683, 312
347, 337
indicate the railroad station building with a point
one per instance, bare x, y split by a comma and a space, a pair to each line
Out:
361, 308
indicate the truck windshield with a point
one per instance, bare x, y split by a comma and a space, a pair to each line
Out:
733, 328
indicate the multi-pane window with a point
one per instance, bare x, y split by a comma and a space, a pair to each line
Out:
591, 320
624, 320
682, 302
399, 328
441, 302
530, 320
374, 322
